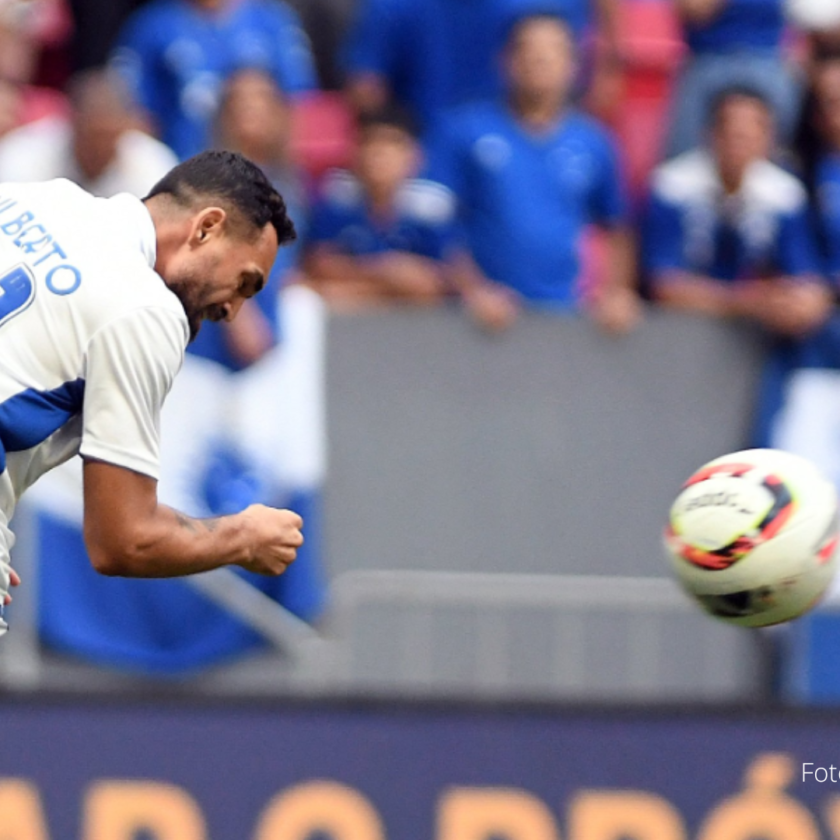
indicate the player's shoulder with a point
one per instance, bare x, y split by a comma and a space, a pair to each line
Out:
426, 201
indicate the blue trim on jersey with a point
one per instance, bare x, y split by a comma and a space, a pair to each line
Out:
30, 417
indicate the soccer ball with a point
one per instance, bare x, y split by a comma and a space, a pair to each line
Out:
753, 535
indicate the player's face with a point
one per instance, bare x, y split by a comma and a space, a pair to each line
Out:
540, 59
743, 133
219, 268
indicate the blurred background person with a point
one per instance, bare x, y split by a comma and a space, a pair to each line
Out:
255, 118
32, 32
805, 417
176, 55
732, 42
728, 233
381, 235
98, 145
430, 55
532, 175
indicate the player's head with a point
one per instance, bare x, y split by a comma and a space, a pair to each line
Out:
219, 222
742, 128
539, 58
388, 151
255, 116
100, 114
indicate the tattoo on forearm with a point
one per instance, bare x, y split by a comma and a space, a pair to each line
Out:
195, 525
185, 522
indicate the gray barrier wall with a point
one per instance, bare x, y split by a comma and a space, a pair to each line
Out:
493, 516
552, 449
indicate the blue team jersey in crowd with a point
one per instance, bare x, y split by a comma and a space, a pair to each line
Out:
175, 57
764, 230
437, 54
828, 208
423, 222
525, 200
741, 25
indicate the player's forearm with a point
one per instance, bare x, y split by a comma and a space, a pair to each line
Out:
171, 544
129, 534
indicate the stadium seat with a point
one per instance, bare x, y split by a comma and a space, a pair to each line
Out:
652, 47
322, 132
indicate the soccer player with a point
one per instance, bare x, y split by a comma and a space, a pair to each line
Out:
98, 300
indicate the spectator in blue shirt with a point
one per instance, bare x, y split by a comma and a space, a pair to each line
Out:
379, 234
177, 54
532, 174
732, 42
430, 55
728, 233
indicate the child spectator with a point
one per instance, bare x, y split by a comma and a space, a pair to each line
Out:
381, 235
728, 233
531, 175
732, 42
177, 54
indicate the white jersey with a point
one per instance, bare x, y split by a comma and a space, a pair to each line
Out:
90, 336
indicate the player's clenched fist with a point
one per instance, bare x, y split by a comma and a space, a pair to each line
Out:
276, 538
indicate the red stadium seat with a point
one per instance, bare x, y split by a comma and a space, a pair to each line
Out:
652, 46
323, 134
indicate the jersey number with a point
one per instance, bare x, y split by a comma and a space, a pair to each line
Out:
17, 289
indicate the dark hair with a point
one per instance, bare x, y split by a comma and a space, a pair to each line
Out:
234, 181
721, 97
392, 115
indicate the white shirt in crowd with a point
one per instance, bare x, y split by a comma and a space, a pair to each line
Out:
43, 150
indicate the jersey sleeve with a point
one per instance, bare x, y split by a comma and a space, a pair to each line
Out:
129, 368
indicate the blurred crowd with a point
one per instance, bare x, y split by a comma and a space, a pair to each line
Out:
480, 152
591, 157
468, 150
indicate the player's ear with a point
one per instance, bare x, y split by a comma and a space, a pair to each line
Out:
207, 224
